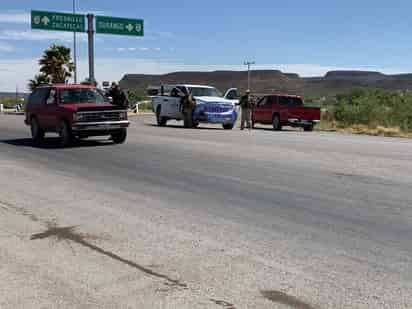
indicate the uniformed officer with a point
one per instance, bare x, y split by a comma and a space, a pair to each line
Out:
188, 106
246, 106
118, 96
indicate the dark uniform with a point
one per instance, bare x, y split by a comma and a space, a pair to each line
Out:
246, 106
188, 106
118, 96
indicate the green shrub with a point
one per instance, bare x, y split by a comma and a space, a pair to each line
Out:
9, 102
373, 108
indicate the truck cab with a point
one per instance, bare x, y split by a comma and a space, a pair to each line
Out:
285, 110
74, 111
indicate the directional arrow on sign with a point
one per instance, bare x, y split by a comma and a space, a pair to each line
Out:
129, 27
45, 20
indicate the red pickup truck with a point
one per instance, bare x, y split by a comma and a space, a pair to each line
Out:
280, 110
74, 111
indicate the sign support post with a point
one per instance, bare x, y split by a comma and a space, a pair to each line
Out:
90, 34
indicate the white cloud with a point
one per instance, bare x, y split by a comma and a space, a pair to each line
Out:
15, 18
115, 68
133, 49
6, 47
38, 35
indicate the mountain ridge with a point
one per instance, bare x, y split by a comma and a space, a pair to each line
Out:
271, 81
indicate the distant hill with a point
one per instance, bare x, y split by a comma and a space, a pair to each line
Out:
275, 81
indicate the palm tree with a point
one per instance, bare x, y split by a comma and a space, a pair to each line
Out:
39, 79
56, 63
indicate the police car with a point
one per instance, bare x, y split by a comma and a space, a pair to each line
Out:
211, 106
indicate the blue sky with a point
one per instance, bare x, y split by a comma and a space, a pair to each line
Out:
306, 37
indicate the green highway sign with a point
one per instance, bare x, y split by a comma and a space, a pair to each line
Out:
57, 21
122, 26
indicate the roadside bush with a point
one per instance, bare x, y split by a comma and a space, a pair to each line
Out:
145, 106
373, 108
8, 102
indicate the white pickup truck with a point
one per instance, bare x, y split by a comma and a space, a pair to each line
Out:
211, 106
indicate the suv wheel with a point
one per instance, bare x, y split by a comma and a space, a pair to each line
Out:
228, 126
37, 133
276, 123
119, 137
65, 134
161, 121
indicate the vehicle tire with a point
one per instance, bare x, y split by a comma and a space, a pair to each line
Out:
161, 121
228, 126
119, 137
277, 126
37, 133
308, 128
65, 134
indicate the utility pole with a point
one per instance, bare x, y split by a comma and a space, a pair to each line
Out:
17, 95
74, 47
248, 63
90, 33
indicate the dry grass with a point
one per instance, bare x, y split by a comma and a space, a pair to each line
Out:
334, 126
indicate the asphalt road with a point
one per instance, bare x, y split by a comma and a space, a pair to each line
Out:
205, 218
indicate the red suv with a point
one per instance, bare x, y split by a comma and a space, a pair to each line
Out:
74, 111
279, 110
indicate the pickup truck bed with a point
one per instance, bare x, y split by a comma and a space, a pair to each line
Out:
281, 110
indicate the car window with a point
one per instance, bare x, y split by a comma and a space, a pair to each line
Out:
262, 102
174, 93
290, 101
33, 99
182, 89
273, 100
232, 95
51, 99
38, 96
81, 95
204, 92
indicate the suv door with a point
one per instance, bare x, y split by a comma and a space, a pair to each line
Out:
258, 110
50, 111
32, 108
293, 106
174, 103
267, 109
41, 106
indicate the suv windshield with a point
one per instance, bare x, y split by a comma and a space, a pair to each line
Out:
204, 92
81, 95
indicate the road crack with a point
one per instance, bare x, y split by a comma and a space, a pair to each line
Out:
223, 303
69, 233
